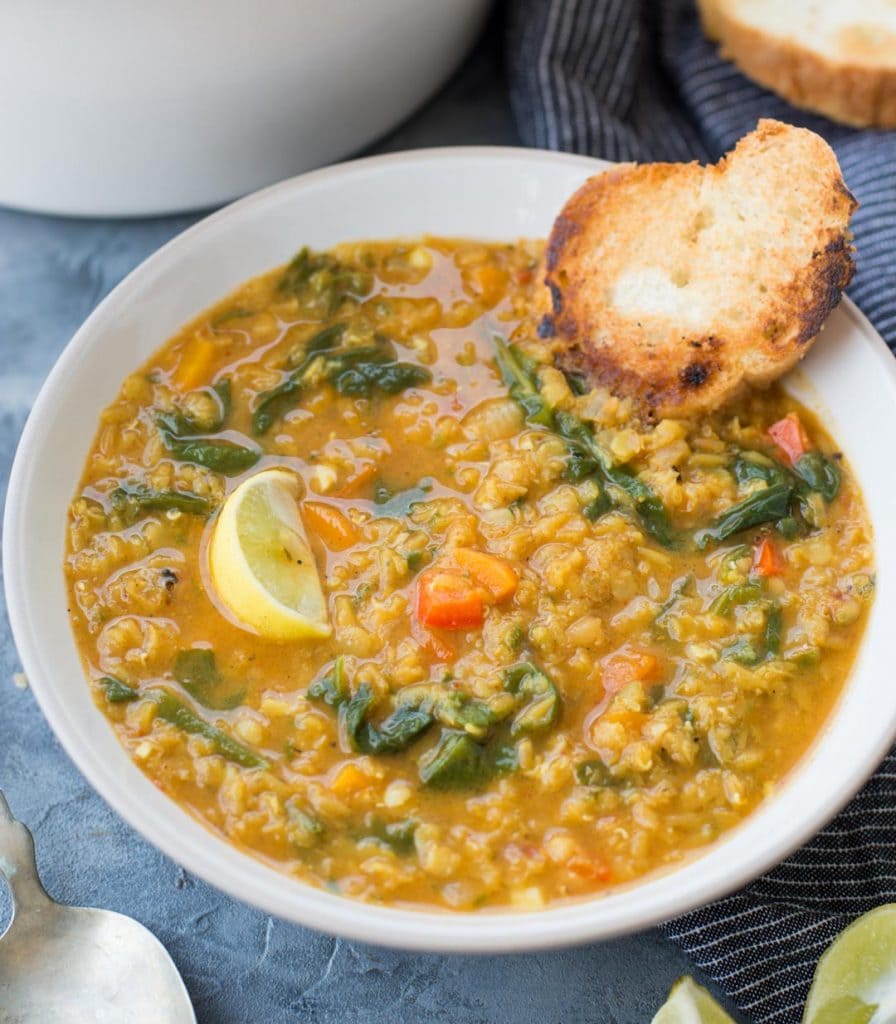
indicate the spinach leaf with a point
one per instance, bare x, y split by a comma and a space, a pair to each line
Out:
458, 710
399, 503
285, 396
587, 458
397, 835
500, 758
765, 506
395, 733
542, 708
520, 378
790, 527
274, 403
220, 456
392, 735
352, 715
130, 500
118, 692
750, 466
749, 652
813, 470
179, 714
599, 506
773, 629
320, 279
452, 708
171, 709
743, 652
455, 762
357, 371
732, 597
330, 337
820, 474
363, 379
197, 673
332, 687
224, 390
585, 450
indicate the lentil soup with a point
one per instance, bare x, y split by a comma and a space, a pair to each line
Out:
535, 648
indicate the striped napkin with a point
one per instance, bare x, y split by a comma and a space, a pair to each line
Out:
637, 80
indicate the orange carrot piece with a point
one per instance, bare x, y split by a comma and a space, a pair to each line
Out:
355, 484
349, 779
630, 665
448, 600
195, 362
333, 527
790, 437
767, 559
496, 575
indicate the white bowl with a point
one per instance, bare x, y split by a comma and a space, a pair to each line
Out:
493, 194
118, 109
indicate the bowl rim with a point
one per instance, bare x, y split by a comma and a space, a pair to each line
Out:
249, 879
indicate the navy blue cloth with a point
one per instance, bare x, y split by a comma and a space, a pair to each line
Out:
628, 80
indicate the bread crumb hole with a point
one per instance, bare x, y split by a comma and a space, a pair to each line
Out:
703, 220
680, 277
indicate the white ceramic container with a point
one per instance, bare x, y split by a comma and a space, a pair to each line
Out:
494, 194
118, 109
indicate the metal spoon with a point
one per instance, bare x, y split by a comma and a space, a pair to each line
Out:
70, 965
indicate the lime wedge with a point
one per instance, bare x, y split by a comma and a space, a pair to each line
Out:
855, 980
690, 1003
262, 567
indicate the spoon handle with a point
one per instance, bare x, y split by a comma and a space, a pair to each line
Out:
17, 863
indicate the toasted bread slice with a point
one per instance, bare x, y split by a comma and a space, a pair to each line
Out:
837, 58
678, 285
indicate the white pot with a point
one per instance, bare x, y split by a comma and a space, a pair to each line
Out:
117, 109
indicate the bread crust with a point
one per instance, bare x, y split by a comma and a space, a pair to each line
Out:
853, 93
665, 365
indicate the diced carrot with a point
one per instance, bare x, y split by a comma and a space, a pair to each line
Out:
333, 527
194, 364
355, 484
349, 779
590, 867
448, 600
496, 575
633, 664
790, 437
767, 559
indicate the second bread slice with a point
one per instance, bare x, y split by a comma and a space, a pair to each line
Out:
836, 57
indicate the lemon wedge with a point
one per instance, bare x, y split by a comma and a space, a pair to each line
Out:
855, 980
261, 564
690, 1003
